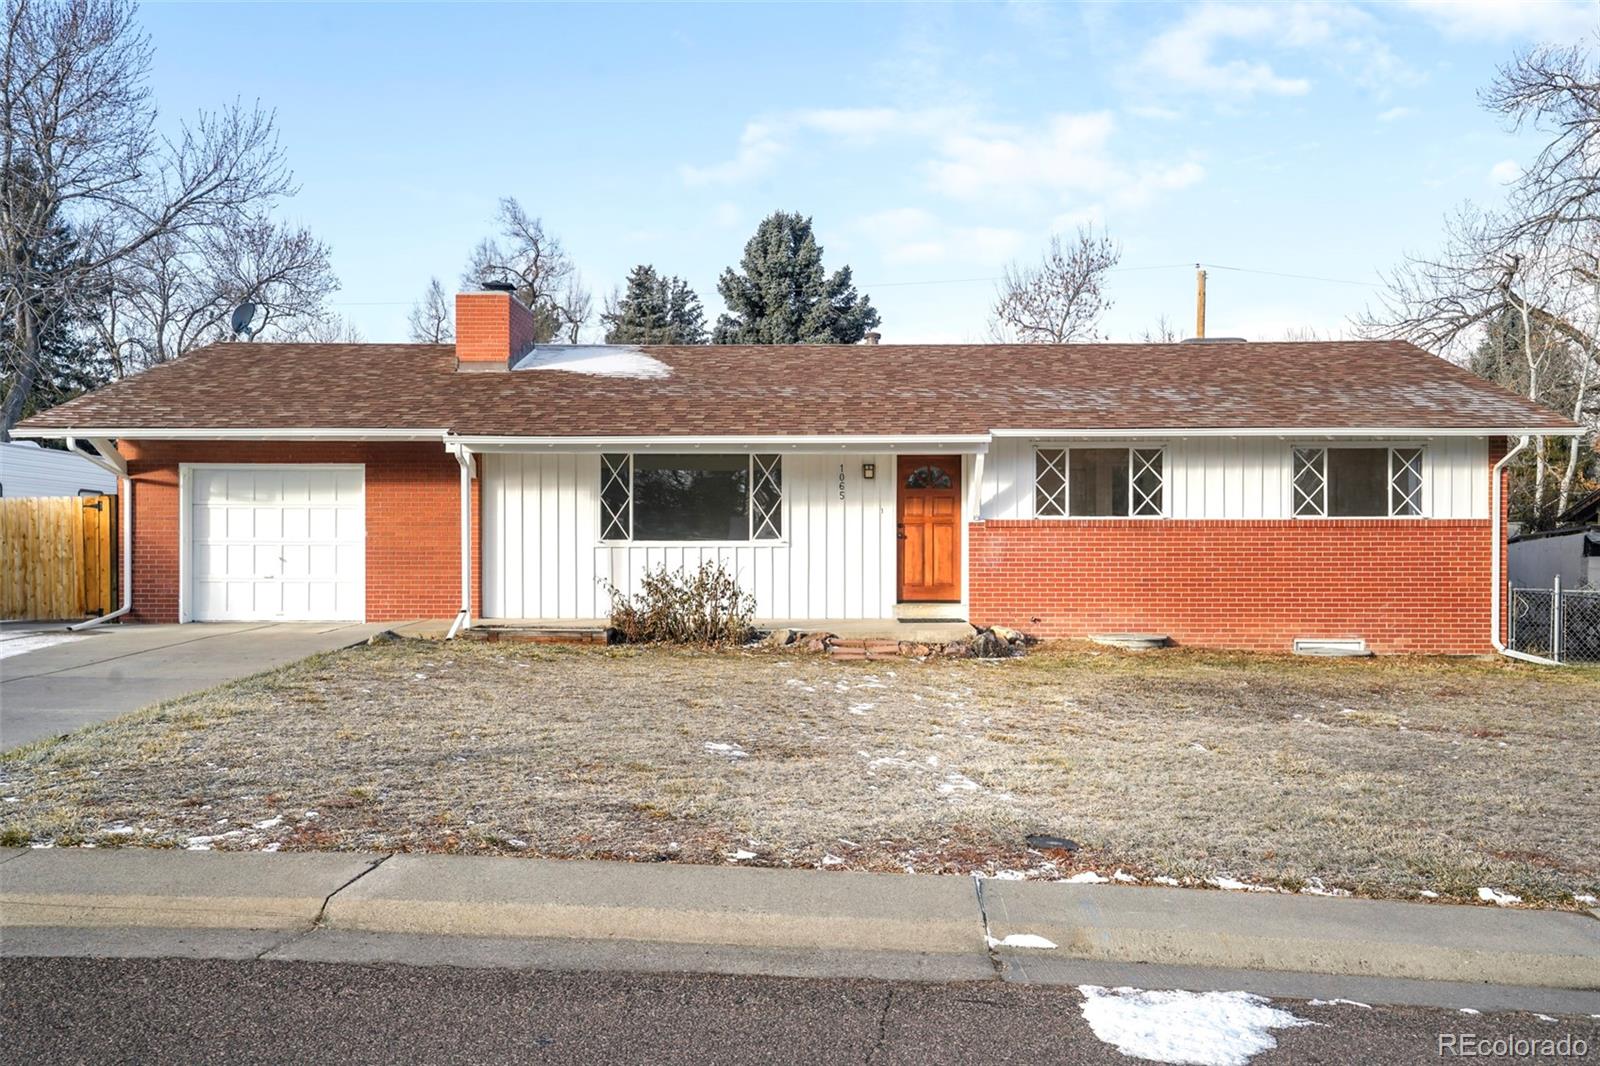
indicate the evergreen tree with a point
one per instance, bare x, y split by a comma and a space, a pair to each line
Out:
782, 295
654, 309
70, 363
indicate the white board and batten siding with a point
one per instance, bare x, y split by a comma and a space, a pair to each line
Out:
1245, 477
543, 556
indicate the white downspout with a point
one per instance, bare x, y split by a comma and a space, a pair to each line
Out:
119, 468
464, 616
1494, 563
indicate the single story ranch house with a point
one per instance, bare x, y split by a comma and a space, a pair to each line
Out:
1224, 493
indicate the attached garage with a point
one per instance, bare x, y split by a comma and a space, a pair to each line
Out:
279, 543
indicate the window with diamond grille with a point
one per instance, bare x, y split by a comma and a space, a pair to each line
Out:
1050, 482
1099, 482
616, 497
1357, 482
652, 496
766, 497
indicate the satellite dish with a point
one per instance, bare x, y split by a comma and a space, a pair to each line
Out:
241, 319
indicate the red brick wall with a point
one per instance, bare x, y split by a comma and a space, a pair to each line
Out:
1405, 586
413, 508
491, 327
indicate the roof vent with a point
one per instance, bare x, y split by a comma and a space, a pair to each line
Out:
1213, 340
872, 338
498, 286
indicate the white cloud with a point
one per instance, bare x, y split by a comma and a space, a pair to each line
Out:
1505, 172
1064, 159
760, 146
1070, 157
911, 235
1395, 114
1558, 21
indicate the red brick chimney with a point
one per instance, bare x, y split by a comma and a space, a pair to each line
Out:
493, 328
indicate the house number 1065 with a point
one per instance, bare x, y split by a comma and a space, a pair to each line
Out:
841, 481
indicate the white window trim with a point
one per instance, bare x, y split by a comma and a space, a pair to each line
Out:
186, 543
750, 515
1424, 471
1066, 482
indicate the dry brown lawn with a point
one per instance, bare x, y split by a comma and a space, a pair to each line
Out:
1383, 777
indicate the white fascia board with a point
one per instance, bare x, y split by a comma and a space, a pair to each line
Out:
308, 433
1288, 432
977, 442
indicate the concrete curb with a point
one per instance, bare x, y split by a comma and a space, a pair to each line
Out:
722, 909
1348, 937
663, 903
81, 887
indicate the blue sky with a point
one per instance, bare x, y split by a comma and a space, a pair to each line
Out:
932, 144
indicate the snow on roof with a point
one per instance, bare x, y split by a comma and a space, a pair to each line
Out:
604, 360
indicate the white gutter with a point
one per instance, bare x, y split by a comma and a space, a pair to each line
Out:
925, 442
1110, 433
1494, 563
468, 468
107, 459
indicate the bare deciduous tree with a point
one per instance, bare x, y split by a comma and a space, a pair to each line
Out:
77, 116
1163, 332
1062, 298
326, 328
178, 291
432, 319
538, 267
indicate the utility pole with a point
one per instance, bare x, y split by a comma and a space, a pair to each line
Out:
1199, 301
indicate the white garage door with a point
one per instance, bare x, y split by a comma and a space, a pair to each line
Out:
277, 542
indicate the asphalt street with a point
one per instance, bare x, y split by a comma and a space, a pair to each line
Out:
77, 1010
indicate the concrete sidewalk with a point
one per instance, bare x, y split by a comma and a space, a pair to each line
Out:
951, 927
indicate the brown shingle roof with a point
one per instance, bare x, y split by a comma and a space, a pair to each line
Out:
814, 390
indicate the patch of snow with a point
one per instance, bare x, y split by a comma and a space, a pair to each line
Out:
1340, 1003
1199, 1028
730, 751
601, 360
1127, 879
1499, 899
119, 831
957, 783
312, 814
1020, 940
1314, 887
1228, 884
832, 860
420, 677
1006, 875
194, 842
1544, 1017
1197, 746
11, 799
741, 855
1470, 1010
517, 843
1427, 894
270, 823
1087, 877
861, 708
1171, 882
274, 846
1586, 900
24, 642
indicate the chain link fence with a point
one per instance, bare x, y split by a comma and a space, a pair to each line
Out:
1560, 624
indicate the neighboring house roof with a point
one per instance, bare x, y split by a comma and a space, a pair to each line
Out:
1585, 511
804, 390
29, 470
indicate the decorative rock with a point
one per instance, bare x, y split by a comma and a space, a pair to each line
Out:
957, 649
1007, 634
781, 638
990, 645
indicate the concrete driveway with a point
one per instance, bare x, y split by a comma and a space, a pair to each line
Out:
52, 681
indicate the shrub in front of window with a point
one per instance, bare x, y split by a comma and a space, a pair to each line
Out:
702, 607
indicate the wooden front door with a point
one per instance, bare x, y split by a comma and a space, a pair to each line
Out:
930, 528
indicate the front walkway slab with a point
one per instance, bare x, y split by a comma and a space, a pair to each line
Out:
83, 678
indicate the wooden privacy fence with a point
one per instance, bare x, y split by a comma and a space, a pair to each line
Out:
57, 556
